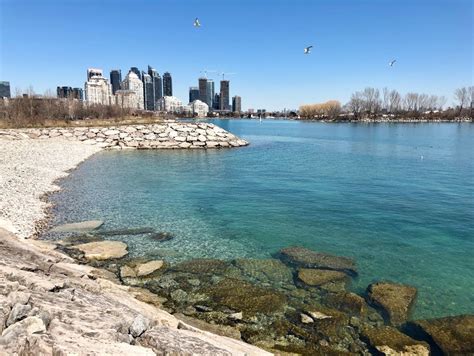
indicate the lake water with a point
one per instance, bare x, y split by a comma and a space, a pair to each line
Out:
398, 198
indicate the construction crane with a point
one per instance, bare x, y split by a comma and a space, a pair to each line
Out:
228, 73
205, 71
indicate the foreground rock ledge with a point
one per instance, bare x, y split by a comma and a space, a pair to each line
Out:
54, 306
151, 136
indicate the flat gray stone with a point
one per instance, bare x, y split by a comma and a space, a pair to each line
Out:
83, 226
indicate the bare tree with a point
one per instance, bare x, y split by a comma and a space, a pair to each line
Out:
372, 100
356, 104
462, 96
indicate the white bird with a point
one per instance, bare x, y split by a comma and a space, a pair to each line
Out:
307, 50
392, 62
196, 22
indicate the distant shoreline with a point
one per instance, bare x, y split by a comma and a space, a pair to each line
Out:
364, 121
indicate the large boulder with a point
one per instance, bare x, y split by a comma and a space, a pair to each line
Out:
394, 300
318, 277
83, 226
389, 341
303, 257
243, 296
103, 250
453, 335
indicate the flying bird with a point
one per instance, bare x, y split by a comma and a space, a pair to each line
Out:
307, 50
392, 62
196, 22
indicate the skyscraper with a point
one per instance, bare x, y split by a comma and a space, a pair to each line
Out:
115, 79
78, 93
236, 104
97, 87
133, 83
193, 94
137, 72
216, 102
167, 85
148, 92
210, 93
157, 85
202, 89
5, 90
64, 92
224, 95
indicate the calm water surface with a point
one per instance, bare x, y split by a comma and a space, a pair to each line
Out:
398, 198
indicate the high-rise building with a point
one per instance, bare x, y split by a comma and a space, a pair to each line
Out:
5, 90
136, 71
224, 95
78, 93
133, 83
202, 89
157, 85
193, 94
115, 79
97, 87
148, 92
199, 108
236, 104
167, 85
216, 102
64, 92
210, 93
170, 104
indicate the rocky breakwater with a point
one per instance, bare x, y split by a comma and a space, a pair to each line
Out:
152, 136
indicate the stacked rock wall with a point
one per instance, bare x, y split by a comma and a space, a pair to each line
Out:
160, 135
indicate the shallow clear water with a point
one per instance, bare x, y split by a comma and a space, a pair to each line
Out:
398, 198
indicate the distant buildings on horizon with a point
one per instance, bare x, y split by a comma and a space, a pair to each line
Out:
146, 91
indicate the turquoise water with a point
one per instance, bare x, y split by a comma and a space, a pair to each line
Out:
398, 198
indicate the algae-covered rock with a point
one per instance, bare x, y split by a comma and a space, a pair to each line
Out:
268, 270
222, 330
202, 266
248, 298
303, 257
390, 341
394, 300
347, 302
318, 277
453, 335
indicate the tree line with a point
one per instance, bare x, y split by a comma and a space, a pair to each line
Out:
372, 103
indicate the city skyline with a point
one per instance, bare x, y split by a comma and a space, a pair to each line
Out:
350, 52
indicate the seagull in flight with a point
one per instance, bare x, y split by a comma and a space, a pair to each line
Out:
392, 62
196, 22
307, 50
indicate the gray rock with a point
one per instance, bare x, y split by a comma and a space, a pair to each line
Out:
83, 226
179, 296
18, 312
139, 325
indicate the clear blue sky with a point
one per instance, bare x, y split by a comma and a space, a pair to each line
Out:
51, 43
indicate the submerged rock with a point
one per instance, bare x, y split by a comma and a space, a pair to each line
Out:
318, 277
248, 298
453, 335
80, 239
202, 266
145, 269
162, 236
83, 226
222, 330
133, 231
389, 341
268, 270
394, 300
347, 302
303, 257
103, 250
